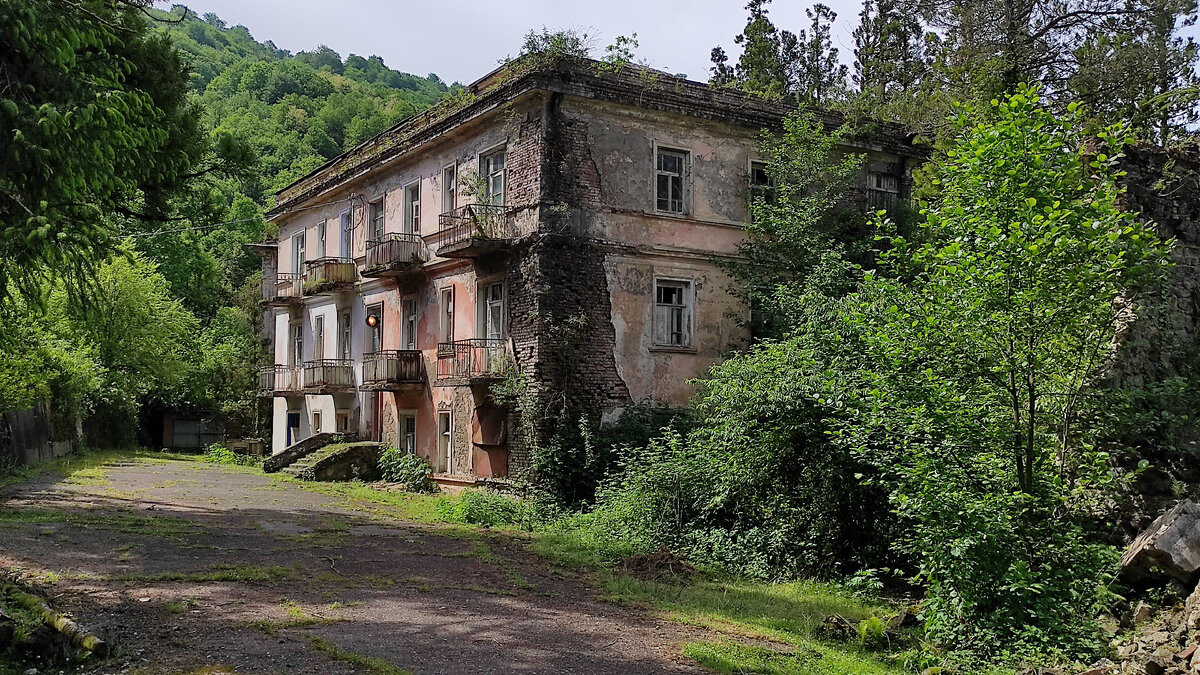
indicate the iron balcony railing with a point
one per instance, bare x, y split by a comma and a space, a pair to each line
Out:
281, 287
468, 359
324, 272
327, 374
279, 379
475, 221
391, 367
396, 249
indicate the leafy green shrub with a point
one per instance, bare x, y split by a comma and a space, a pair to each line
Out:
484, 507
219, 454
411, 471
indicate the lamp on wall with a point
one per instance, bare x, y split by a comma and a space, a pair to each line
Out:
372, 320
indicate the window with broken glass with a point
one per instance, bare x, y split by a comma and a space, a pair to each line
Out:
673, 313
670, 168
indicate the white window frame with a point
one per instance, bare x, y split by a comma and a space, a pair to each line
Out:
375, 334
446, 314
299, 256
402, 416
321, 239
449, 188
410, 320
296, 343
345, 334
685, 180
445, 441
481, 307
412, 208
688, 314
319, 337
316, 422
489, 175
377, 218
346, 234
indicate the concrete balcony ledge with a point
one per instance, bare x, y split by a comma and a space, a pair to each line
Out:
324, 275
393, 369
329, 376
280, 380
395, 255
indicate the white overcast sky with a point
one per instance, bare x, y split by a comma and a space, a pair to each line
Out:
463, 40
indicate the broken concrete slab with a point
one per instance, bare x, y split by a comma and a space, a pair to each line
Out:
1171, 544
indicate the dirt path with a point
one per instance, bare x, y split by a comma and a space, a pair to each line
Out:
186, 565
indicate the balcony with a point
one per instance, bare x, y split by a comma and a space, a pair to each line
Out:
280, 290
328, 274
328, 376
391, 370
475, 230
472, 360
395, 255
279, 381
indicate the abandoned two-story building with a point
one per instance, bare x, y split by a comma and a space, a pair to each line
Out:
413, 272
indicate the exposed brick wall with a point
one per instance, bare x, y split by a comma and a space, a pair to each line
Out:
554, 276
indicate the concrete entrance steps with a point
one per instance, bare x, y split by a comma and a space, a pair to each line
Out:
297, 450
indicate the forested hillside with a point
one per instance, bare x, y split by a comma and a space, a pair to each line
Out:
180, 300
295, 111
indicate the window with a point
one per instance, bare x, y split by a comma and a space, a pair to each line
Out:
316, 422
321, 239
491, 311
761, 185
344, 336
444, 442
408, 433
298, 258
670, 168
318, 338
346, 229
449, 188
446, 325
412, 209
297, 344
492, 167
375, 337
342, 421
673, 313
883, 189
377, 220
410, 324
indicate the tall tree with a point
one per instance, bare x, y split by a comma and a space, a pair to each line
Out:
1136, 67
778, 63
889, 54
819, 77
97, 125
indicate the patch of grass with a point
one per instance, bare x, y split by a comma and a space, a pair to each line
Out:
183, 605
405, 505
787, 613
87, 463
90, 475
235, 573
371, 664
153, 526
298, 617
517, 580
731, 657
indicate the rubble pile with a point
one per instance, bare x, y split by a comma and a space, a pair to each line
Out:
1166, 643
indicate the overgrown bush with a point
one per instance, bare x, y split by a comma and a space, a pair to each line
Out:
413, 473
484, 507
219, 454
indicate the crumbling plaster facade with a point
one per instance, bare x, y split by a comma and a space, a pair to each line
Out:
584, 238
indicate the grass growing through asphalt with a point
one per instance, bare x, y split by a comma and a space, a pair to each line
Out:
373, 665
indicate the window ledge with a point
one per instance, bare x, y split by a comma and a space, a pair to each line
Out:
673, 349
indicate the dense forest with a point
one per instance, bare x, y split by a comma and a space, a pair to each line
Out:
179, 328
921, 410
